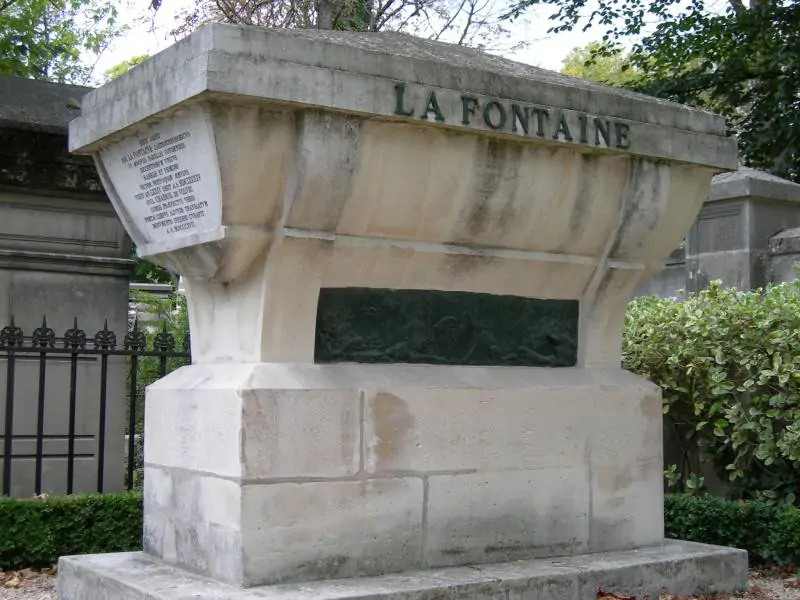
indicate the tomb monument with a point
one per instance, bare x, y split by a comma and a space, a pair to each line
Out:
407, 265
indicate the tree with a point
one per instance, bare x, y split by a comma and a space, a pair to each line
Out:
124, 67
742, 61
474, 23
595, 63
52, 39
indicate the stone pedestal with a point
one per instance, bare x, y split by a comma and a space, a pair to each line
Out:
407, 266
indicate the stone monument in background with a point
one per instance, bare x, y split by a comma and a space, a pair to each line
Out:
745, 236
64, 255
407, 266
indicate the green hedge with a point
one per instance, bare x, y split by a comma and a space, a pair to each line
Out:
35, 532
769, 532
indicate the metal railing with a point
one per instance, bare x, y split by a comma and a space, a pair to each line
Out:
158, 357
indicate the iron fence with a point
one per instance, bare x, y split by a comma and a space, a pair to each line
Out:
41, 354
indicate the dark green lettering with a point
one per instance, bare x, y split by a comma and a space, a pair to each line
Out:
468, 106
487, 114
399, 91
432, 105
563, 128
541, 114
603, 129
583, 119
522, 117
622, 130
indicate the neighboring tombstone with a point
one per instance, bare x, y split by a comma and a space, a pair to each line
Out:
784, 251
732, 239
64, 255
334, 199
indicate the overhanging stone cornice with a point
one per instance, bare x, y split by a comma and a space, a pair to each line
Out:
360, 75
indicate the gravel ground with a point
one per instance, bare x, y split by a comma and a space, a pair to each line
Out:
30, 585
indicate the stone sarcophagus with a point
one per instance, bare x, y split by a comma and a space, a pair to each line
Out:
407, 267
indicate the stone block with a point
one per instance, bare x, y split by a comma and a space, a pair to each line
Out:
256, 434
682, 568
565, 423
189, 495
494, 517
200, 547
627, 506
197, 429
625, 425
301, 433
331, 529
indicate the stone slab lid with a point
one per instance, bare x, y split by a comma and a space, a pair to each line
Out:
359, 72
39, 105
752, 183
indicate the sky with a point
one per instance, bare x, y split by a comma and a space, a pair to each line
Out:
149, 36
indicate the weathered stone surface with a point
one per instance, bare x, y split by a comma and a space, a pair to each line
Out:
33, 143
627, 508
350, 457
37, 105
485, 517
331, 529
752, 183
455, 328
681, 568
562, 422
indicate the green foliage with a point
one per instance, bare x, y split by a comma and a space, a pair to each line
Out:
172, 318
740, 61
728, 363
35, 532
51, 39
147, 272
770, 533
124, 67
601, 64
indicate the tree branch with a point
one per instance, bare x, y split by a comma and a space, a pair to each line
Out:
468, 24
450, 22
6, 4
738, 6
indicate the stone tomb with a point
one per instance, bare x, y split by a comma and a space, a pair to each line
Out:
407, 266
64, 255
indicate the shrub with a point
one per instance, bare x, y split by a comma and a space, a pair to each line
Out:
35, 532
728, 363
769, 532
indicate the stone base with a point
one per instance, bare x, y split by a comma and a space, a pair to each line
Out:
681, 568
395, 468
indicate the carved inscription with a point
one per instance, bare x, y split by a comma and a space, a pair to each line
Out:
167, 180
519, 118
168, 183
